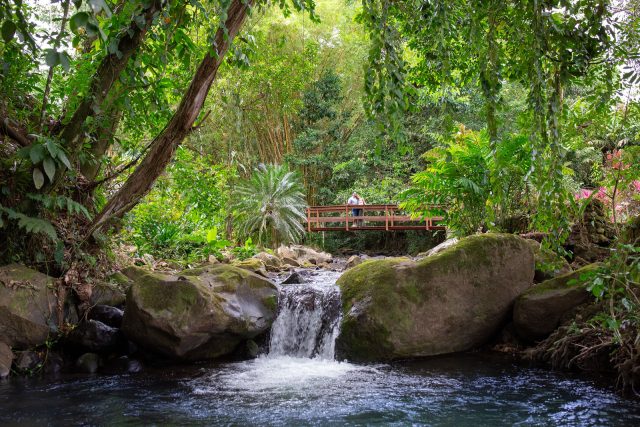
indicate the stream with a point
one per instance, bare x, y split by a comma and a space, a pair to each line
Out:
298, 382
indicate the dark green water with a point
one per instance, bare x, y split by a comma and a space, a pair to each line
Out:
462, 390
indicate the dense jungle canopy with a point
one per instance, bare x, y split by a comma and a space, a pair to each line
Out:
182, 128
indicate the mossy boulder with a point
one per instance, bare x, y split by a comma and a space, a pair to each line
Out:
548, 263
27, 306
200, 314
453, 301
540, 310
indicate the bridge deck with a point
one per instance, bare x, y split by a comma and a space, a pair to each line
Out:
373, 217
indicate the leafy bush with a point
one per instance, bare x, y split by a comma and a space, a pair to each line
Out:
270, 206
468, 183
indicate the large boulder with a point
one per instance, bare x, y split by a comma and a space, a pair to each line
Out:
540, 310
200, 314
452, 301
27, 306
111, 292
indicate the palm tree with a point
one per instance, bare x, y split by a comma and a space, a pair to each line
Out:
270, 205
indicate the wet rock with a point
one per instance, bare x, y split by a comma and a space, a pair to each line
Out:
95, 336
452, 301
6, 359
122, 365
88, 363
252, 349
200, 314
28, 360
27, 306
110, 316
294, 279
54, 363
539, 311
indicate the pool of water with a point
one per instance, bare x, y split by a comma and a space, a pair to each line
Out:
461, 390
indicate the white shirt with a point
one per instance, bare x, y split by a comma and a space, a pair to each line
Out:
352, 201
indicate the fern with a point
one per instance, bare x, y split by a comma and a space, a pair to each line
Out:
60, 202
30, 224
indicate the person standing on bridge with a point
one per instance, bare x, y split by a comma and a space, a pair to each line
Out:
355, 200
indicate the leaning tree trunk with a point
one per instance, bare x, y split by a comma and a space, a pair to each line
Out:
165, 144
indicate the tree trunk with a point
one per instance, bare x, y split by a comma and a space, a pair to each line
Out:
108, 71
164, 145
107, 127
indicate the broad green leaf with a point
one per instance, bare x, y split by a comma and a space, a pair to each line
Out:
49, 168
8, 30
64, 60
38, 178
63, 158
77, 21
52, 148
37, 153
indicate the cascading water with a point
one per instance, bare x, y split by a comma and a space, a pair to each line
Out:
308, 319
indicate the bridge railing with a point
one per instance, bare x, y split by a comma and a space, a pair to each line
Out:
372, 217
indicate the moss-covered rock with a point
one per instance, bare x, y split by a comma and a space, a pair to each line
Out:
6, 360
548, 263
200, 314
27, 306
539, 311
452, 301
112, 291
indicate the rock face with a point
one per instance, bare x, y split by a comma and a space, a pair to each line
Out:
198, 315
452, 301
27, 306
540, 310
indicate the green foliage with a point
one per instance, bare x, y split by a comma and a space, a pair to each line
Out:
29, 224
245, 251
269, 206
469, 184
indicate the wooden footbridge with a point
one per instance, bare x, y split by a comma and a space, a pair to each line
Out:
371, 217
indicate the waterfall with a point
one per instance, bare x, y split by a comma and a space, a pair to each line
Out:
308, 318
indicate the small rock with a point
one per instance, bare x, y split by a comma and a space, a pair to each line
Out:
110, 316
88, 363
353, 261
122, 365
271, 262
294, 278
6, 359
28, 360
442, 246
213, 259
292, 262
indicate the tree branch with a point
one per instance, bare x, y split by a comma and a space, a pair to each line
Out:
13, 133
